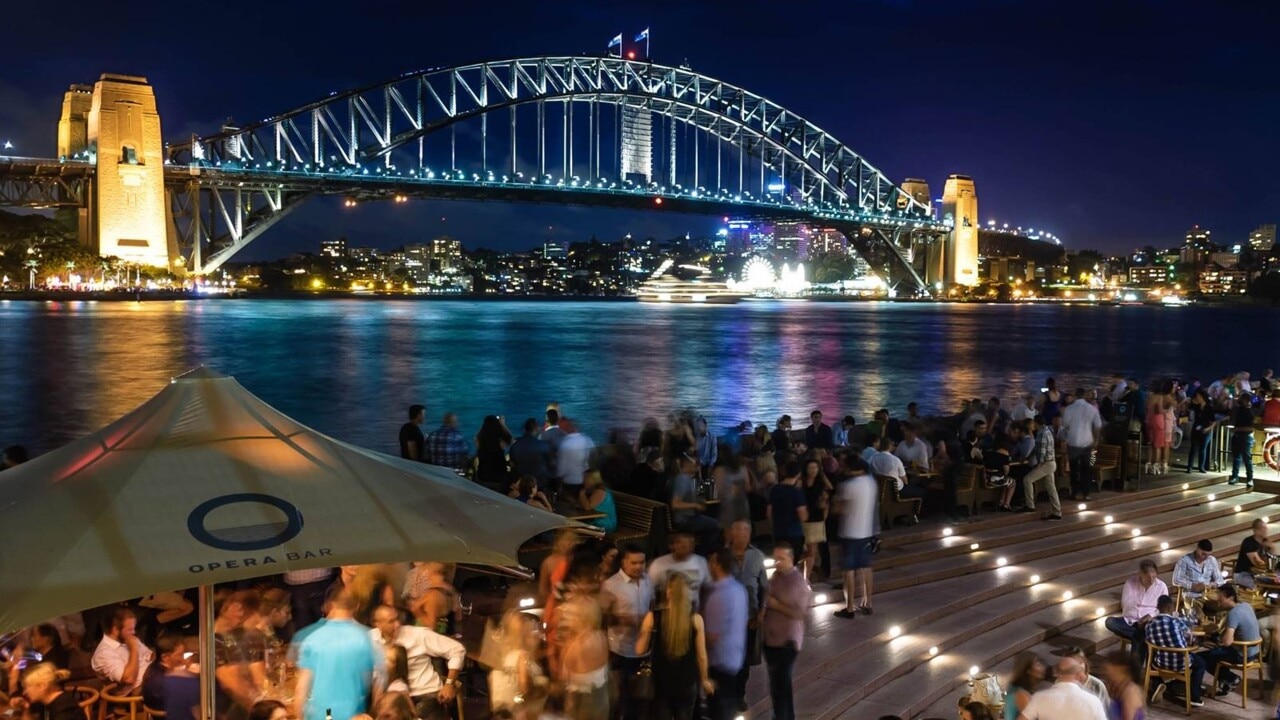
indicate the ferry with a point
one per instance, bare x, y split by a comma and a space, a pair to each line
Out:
686, 284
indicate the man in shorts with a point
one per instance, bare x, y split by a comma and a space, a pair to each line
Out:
856, 499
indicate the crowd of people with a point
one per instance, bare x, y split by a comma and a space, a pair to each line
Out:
625, 635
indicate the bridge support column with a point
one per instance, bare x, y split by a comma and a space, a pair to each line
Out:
960, 205
127, 205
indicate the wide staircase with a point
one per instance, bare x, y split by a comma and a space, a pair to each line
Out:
949, 599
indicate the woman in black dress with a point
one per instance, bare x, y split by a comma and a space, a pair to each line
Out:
679, 657
492, 442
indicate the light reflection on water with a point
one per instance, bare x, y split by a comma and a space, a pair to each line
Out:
349, 368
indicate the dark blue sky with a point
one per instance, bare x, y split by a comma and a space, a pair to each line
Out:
1113, 124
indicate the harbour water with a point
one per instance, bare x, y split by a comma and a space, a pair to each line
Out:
350, 367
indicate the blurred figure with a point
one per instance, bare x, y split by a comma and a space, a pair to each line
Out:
335, 665
518, 686
585, 662
677, 637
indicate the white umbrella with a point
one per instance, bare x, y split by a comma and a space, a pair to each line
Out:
205, 483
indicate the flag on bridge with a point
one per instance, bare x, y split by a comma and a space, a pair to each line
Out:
644, 35
616, 42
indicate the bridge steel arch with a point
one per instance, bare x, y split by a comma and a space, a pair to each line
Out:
372, 141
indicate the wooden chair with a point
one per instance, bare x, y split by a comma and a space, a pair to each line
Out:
1107, 467
86, 698
120, 706
965, 486
1244, 668
893, 505
1152, 671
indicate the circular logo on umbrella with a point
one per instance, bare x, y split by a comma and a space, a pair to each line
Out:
244, 521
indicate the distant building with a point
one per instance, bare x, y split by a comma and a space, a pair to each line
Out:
1224, 259
791, 240
1224, 281
552, 250
1263, 238
1008, 269
446, 254
334, 248
1148, 275
1199, 239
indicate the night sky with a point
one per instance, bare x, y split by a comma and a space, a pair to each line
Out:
1112, 124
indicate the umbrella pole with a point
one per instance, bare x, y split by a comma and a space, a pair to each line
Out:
207, 659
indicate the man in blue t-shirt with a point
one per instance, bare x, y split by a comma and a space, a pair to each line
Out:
1241, 626
335, 666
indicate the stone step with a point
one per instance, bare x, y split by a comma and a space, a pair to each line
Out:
1069, 540
931, 531
845, 664
910, 608
1093, 638
987, 645
1130, 509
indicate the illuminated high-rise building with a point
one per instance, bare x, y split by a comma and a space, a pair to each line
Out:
1263, 238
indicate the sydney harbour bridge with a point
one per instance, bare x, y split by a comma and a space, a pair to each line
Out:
597, 131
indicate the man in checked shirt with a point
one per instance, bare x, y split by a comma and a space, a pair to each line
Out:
1168, 630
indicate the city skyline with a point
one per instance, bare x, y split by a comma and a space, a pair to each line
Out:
1113, 131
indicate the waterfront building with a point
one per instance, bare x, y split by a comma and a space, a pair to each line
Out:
1148, 275
1215, 280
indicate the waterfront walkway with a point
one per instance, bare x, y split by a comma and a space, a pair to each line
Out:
933, 593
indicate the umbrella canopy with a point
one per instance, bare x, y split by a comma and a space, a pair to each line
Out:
206, 483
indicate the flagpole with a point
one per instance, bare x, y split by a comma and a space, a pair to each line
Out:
647, 55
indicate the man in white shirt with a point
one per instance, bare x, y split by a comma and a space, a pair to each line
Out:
1140, 601
625, 598
431, 696
681, 559
572, 460
884, 462
912, 451
856, 500
121, 658
1081, 425
1025, 411
1066, 700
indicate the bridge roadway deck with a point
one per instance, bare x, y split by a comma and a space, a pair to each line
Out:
941, 594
